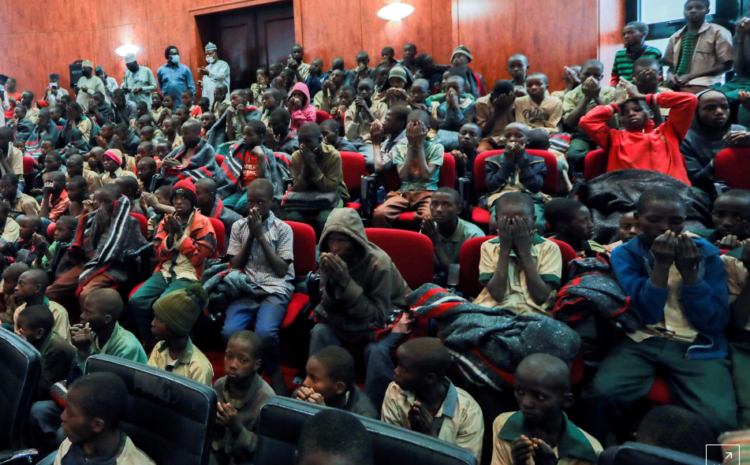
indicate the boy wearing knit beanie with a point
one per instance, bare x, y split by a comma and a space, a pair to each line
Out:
174, 316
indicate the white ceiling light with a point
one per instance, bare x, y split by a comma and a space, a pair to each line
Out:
395, 11
126, 49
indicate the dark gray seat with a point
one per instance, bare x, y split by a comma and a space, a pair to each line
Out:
20, 368
169, 417
281, 421
634, 453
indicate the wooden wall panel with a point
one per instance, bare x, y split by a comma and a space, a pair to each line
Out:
552, 33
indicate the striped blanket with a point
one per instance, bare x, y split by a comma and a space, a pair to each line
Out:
488, 343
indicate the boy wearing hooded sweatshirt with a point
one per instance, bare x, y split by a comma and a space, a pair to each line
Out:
360, 287
710, 132
299, 106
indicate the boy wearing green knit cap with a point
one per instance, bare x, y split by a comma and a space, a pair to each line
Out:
174, 316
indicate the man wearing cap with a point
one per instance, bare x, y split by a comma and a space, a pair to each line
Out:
460, 60
215, 73
175, 315
88, 84
54, 91
174, 77
183, 242
112, 161
109, 82
138, 82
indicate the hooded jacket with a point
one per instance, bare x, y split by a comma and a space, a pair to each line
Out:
699, 148
375, 289
307, 113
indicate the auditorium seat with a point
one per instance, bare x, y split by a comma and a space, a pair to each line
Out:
169, 417
595, 164
635, 453
221, 237
733, 166
353, 166
411, 252
321, 116
281, 421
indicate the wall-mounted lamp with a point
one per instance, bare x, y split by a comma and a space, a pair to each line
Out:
126, 49
395, 11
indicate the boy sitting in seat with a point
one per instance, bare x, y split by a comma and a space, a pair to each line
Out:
520, 270
418, 164
447, 231
678, 285
95, 406
316, 167
540, 430
570, 221
35, 324
361, 288
175, 315
330, 381
261, 246
240, 394
424, 400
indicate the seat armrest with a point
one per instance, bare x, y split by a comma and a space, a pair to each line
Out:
369, 195
464, 191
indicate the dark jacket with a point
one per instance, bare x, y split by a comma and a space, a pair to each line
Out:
500, 173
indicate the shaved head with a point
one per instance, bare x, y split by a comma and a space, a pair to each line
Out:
430, 354
108, 301
37, 277
545, 369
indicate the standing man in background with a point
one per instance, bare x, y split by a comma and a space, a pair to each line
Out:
174, 77
110, 83
216, 72
88, 84
138, 82
54, 92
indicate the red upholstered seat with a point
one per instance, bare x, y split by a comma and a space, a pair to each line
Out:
411, 252
733, 166
353, 166
221, 237
595, 164
51, 231
142, 222
304, 262
321, 116
480, 216
28, 165
659, 394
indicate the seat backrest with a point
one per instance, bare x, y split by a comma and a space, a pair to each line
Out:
634, 453
550, 161
303, 248
321, 116
221, 237
568, 253
169, 417
595, 164
51, 231
411, 252
468, 259
281, 421
733, 166
142, 222
20, 368
28, 165
353, 166
447, 175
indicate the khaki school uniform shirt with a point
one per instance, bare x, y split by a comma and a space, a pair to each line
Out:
129, 455
459, 420
357, 128
574, 97
106, 178
736, 277
10, 231
517, 298
484, 110
193, 364
62, 322
546, 115
575, 447
452, 245
15, 161
92, 179
25, 205
674, 325
713, 46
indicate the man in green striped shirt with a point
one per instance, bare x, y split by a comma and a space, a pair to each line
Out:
634, 37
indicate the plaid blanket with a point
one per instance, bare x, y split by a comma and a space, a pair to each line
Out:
488, 343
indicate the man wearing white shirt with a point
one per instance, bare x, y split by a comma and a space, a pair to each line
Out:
215, 73
88, 84
109, 82
54, 92
138, 82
